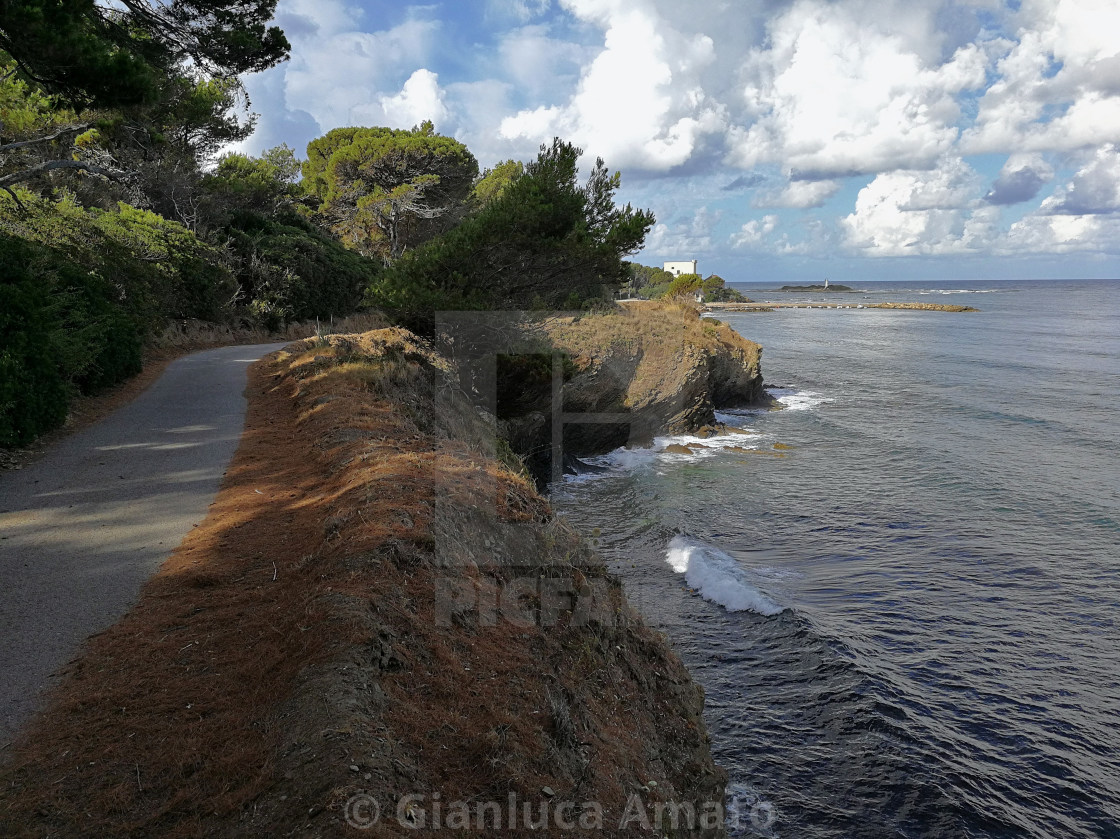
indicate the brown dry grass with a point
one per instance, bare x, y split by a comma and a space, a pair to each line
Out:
290, 654
664, 339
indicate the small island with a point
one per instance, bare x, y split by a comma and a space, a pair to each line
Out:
817, 287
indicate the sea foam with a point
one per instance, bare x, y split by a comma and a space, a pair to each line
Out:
717, 577
794, 399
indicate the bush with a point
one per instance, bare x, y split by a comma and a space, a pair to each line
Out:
289, 270
60, 332
33, 396
543, 242
157, 269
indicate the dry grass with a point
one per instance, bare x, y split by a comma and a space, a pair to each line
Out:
197, 334
664, 339
295, 637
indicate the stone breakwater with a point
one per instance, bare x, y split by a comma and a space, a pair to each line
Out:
770, 306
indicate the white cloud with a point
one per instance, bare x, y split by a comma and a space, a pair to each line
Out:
420, 99
520, 10
798, 194
1021, 178
339, 73
639, 103
1081, 217
1062, 235
913, 212
543, 66
685, 238
1094, 190
1059, 82
846, 88
754, 234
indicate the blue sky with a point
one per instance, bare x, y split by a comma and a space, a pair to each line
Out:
853, 139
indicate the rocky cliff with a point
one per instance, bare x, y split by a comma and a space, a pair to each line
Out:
659, 367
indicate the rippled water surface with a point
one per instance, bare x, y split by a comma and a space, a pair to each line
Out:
906, 621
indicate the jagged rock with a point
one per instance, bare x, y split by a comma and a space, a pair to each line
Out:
661, 367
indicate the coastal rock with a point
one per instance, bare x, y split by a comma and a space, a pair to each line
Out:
660, 368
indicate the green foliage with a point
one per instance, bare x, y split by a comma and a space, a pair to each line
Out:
545, 242
289, 270
384, 191
257, 184
716, 291
158, 268
713, 288
647, 281
33, 395
197, 114
496, 181
118, 53
33, 125
61, 331
24, 110
684, 284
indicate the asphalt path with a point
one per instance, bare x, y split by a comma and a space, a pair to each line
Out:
84, 526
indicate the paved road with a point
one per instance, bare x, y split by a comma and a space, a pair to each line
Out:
82, 528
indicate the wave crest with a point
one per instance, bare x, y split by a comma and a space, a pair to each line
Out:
717, 577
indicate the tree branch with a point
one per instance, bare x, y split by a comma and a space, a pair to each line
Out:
15, 198
46, 139
27, 174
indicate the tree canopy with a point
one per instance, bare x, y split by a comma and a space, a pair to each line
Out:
544, 241
495, 181
119, 53
384, 190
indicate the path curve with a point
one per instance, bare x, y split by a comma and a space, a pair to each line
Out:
84, 527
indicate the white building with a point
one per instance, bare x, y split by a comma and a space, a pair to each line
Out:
678, 268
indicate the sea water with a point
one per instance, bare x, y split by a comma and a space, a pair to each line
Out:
900, 593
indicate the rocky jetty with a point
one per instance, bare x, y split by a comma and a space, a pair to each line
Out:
817, 287
926, 307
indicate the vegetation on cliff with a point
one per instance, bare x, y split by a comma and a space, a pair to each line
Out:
648, 283
543, 241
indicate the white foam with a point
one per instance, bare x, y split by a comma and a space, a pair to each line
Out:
631, 459
798, 400
717, 577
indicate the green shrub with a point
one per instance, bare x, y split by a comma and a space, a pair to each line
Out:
61, 332
33, 395
290, 270
544, 241
157, 269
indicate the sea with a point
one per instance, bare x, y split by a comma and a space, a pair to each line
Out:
900, 592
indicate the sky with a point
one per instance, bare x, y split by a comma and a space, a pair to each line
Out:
773, 140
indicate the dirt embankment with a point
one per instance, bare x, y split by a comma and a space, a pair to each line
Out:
376, 619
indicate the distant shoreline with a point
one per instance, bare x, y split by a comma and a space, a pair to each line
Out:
771, 306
